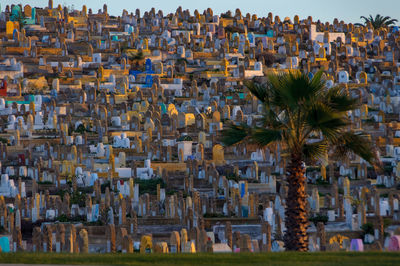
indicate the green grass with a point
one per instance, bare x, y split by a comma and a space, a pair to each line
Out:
287, 258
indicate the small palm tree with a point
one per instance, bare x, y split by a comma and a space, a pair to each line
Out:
308, 120
21, 18
378, 22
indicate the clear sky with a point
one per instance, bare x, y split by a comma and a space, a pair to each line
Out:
347, 10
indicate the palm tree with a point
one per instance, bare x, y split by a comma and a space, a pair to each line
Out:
378, 22
21, 18
296, 109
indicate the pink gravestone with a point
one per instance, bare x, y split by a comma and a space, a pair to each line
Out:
394, 243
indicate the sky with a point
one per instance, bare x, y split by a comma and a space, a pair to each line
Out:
347, 10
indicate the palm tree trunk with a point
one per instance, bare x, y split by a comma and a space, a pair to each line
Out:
296, 221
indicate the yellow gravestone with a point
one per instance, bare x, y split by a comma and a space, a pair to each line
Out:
323, 172
161, 247
9, 28
363, 78
338, 239
218, 154
146, 244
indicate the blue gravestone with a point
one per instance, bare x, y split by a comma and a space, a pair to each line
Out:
134, 73
95, 213
245, 211
53, 93
148, 70
93, 178
15, 34
148, 65
234, 35
242, 189
251, 37
46, 99
5, 244
149, 80
34, 13
356, 245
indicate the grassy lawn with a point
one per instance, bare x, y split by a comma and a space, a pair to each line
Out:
344, 258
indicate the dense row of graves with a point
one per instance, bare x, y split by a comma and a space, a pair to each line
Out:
110, 132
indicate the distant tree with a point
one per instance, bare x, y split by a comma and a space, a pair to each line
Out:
378, 22
80, 129
139, 56
20, 17
269, 58
228, 14
70, 8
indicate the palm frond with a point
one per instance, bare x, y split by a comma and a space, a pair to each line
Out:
337, 99
263, 136
260, 136
292, 90
317, 84
357, 143
379, 21
391, 22
271, 120
279, 92
234, 134
315, 150
257, 90
326, 120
